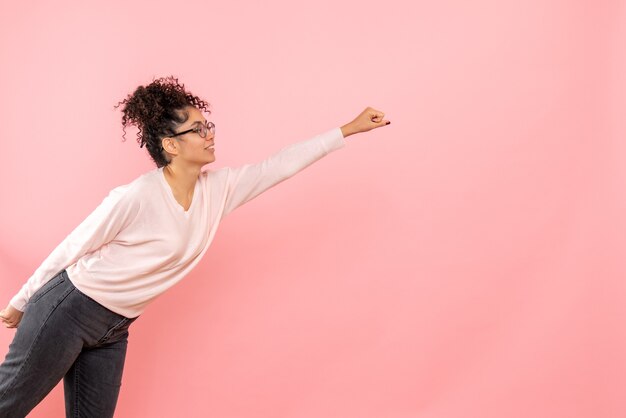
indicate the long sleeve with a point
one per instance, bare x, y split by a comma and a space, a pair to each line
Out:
244, 183
99, 228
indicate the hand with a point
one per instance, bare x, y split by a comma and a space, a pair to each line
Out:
10, 316
369, 119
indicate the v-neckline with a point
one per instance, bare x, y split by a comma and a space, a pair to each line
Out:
172, 198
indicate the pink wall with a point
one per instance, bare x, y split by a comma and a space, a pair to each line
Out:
466, 261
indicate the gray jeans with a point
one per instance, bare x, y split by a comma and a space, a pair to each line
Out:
64, 334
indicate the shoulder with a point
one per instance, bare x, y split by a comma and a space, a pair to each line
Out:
133, 193
211, 175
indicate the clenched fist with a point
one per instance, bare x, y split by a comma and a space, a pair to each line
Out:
369, 119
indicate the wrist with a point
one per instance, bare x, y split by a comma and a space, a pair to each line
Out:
347, 130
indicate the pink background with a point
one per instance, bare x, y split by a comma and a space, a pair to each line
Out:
465, 261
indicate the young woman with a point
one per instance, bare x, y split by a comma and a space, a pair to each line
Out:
75, 311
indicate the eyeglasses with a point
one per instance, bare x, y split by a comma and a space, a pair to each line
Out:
202, 130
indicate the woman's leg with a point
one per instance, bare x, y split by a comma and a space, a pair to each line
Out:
41, 352
92, 384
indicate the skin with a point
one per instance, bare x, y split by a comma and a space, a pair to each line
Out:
188, 153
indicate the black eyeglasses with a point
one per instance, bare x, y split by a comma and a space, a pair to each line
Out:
202, 130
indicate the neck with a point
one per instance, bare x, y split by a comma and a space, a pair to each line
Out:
181, 179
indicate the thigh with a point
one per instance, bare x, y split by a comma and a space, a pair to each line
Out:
93, 383
42, 351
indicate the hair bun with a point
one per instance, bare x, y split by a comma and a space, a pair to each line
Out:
155, 110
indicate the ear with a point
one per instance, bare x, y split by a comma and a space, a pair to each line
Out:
169, 145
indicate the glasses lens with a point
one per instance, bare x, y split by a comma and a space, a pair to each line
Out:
204, 129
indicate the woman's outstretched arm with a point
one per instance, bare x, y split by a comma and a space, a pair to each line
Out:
236, 186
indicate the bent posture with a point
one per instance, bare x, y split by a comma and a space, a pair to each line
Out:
73, 314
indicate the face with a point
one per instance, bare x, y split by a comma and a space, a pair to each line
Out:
191, 148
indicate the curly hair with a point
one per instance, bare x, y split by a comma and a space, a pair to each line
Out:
157, 110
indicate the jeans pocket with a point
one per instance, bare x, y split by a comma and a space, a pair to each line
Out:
120, 326
51, 284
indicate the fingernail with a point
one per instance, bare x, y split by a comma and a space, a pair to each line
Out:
388, 122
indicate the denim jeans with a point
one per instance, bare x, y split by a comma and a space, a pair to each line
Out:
64, 334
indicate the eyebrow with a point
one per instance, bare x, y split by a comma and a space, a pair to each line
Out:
198, 121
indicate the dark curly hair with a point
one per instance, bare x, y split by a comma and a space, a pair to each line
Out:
157, 110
